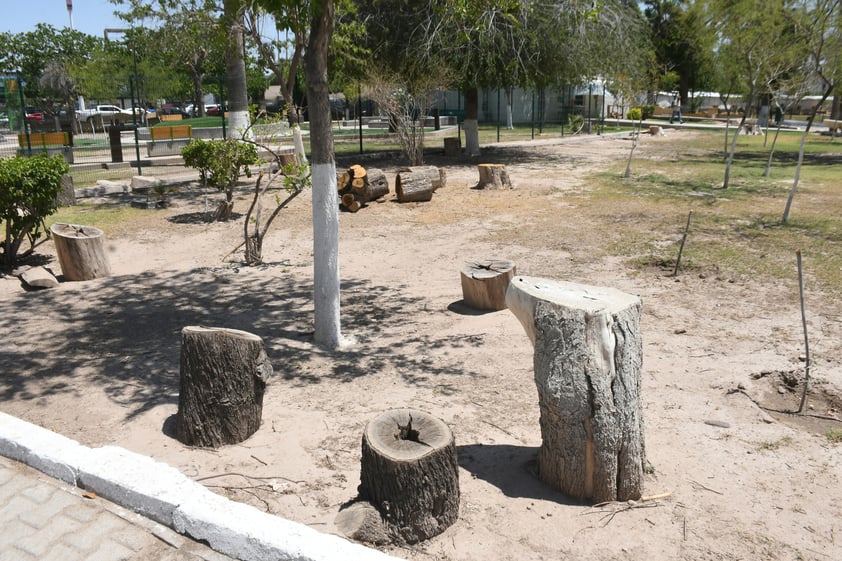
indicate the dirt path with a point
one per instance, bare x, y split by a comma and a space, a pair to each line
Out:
98, 362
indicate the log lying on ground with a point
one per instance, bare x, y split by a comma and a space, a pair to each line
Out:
493, 176
484, 283
410, 474
417, 184
588, 354
223, 377
81, 252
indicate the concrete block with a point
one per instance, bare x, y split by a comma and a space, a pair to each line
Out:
142, 183
139, 483
42, 449
247, 533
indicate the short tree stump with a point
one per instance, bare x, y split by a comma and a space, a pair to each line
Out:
409, 473
484, 283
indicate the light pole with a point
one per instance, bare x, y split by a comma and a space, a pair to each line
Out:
70, 13
132, 86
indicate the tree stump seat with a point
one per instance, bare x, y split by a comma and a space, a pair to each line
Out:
587, 361
493, 176
81, 251
484, 283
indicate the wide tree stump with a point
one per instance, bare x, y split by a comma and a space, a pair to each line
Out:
223, 377
81, 252
417, 184
409, 473
484, 283
493, 176
587, 361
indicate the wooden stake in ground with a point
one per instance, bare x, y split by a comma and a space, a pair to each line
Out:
410, 474
681, 247
81, 252
588, 355
484, 283
223, 377
806, 339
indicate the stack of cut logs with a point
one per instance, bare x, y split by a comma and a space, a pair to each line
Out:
358, 186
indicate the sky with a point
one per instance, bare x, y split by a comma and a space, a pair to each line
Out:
89, 16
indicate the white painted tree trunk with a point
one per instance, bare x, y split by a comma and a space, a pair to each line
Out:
326, 255
472, 137
240, 122
298, 145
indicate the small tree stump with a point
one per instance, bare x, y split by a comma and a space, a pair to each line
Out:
410, 474
493, 176
223, 377
656, 130
588, 354
484, 283
81, 253
453, 146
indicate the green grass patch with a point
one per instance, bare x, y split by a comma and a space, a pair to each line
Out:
834, 436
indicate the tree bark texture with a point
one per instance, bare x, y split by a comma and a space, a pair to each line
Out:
587, 361
484, 283
235, 70
81, 252
493, 176
417, 184
437, 175
410, 474
223, 377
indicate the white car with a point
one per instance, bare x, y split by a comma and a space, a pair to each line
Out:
108, 113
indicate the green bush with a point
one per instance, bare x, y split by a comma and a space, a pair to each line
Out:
220, 163
29, 188
648, 111
635, 114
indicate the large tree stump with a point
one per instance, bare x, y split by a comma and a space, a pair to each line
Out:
493, 176
588, 355
410, 474
484, 283
417, 184
81, 252
223, 377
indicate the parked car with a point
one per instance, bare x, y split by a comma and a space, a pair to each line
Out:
170, 109
214, 109
108, 113
35, 115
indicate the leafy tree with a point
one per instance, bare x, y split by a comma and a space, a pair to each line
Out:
28, 191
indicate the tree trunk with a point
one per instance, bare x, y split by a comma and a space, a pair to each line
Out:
410, 474
438, 176
223, 377
588, 354
493, 176
484, 283
325, 197
235, 71
472, 122
81, 252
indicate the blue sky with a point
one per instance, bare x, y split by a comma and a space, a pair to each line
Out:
89, 16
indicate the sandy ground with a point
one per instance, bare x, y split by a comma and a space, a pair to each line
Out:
98, 361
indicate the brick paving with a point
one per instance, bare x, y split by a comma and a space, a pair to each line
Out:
47, 520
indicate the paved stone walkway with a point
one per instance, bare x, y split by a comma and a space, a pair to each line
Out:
44, 520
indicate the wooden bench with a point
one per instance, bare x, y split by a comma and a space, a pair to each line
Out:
169, 140
44, 139
50, 143
175, 132
175, 117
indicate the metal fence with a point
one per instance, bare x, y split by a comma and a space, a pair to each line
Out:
112, 134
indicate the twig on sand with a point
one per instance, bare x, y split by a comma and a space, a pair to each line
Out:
697, 484
649, 501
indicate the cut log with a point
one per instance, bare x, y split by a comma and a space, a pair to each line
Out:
357, 171
410, 474
223, 377
354, 206
493, 176
376, 186
416, 185
484, 283
81, 252
438, 176
347, 199
39, 277
587, 360
358, 184
342, 181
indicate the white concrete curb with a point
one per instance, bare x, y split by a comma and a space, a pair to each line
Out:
162, 493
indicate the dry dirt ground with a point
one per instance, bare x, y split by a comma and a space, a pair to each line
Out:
98, 361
